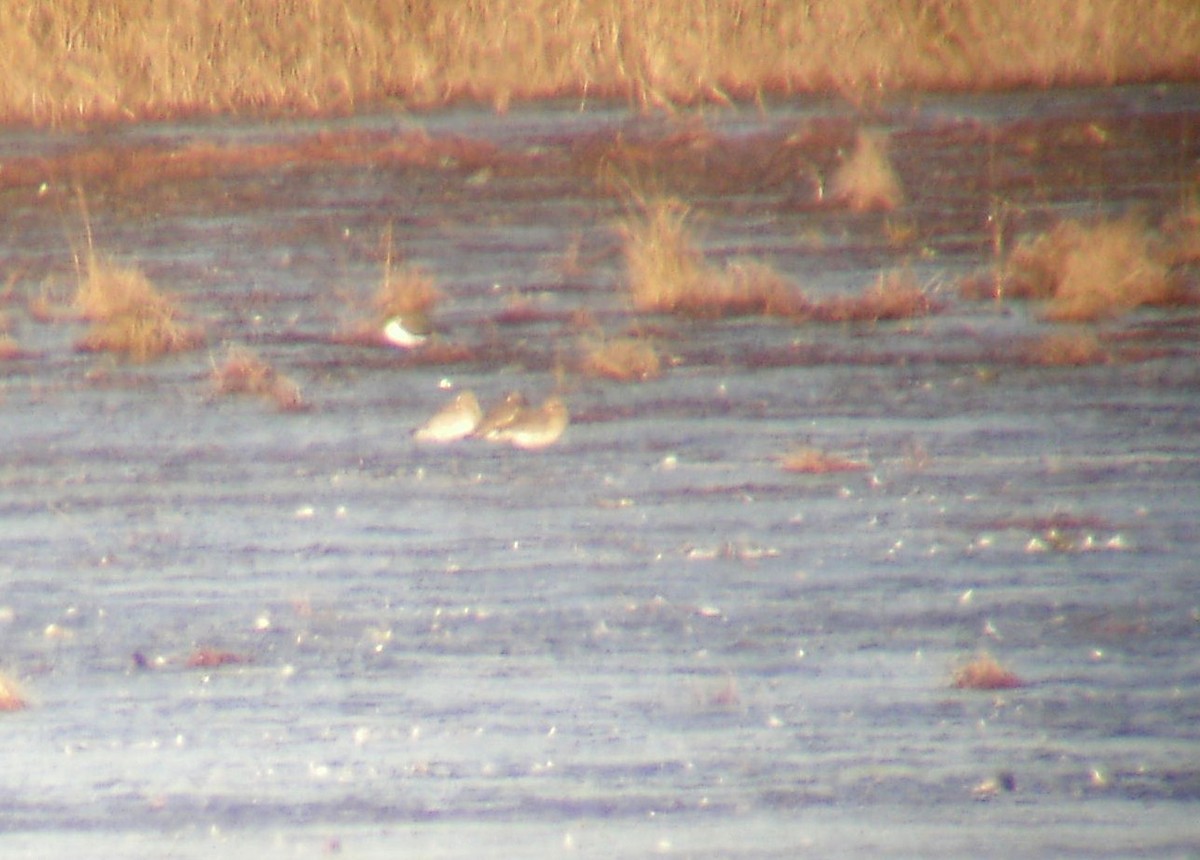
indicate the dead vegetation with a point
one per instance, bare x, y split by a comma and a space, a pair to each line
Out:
623, 359
398, 311
130, 316
11, 696
244, 372
813, 461
865, 181
74, 60
1089, 271
895, 295
1066, 349
668, 273
212, 658
406, 291
985, 673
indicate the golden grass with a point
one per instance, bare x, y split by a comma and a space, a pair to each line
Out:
1090, 271
131, 317
668, 273
624, 359
1182, 232
865, 181
895, 295
1066, 349
985, 673
244, 372
813, 461
212, 658
11, 696
9, 348
70, 60
404, 291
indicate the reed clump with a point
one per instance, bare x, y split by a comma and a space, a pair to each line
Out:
244, 372
1182, 232
623, 359
404, 291
984, 672
866, 181
668, 273
895, 295
1086, 272
130, 316
808, 460
11, 696
9, 348
1066, 349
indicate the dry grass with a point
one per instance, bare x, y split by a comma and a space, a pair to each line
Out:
244, 372
404, 291
67, 60
1182, 231
624, 359
866, 181
130, 316
666, 270
895, 295
813, 461
11, 696
211, 658
1088, 272
668, 273
1066, 349
985, 673
9, 348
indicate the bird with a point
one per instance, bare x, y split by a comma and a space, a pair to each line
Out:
537, 428
501, 415
408, 330
456, 420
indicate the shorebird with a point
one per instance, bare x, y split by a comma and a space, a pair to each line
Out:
456, 420
407, 330
537, 428
501, 415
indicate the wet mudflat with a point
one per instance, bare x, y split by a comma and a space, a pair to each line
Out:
244, 631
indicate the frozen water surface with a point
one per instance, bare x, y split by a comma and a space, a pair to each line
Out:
648, 638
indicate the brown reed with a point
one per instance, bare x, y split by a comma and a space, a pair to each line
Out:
70, 60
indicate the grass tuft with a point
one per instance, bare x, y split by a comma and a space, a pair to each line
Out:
668, 273
866, 181
11, 696
1066, 349
1089, 272
623, 359
666, 270
131, 317
813, 461
895, 295
244, 372
985, 673
1182, 231
404, 291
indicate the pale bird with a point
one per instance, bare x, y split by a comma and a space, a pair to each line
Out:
501, 415
456, 420
407, 331
537, 428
